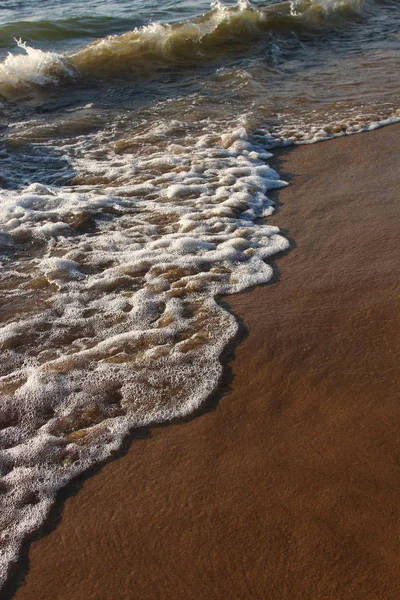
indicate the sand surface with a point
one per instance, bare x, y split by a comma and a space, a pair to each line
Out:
287, 487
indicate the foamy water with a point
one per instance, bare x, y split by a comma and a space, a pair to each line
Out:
117, 320
135, 180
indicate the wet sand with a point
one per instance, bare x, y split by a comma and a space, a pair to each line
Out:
286, 487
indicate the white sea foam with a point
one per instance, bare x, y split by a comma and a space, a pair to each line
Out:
115, 322
35, 66
305, 133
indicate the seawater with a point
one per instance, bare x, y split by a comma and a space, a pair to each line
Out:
135, 139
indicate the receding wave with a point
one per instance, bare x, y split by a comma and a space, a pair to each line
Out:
111, 322
221, 31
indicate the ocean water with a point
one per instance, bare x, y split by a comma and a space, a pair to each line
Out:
134, 179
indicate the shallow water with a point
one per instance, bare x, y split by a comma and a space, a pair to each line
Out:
134, 174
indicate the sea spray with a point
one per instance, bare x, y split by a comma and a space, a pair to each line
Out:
33, 67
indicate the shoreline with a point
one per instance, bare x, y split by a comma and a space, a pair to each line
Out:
285, 487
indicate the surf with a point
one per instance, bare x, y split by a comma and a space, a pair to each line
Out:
223, 31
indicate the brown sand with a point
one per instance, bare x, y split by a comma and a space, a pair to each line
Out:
289, 489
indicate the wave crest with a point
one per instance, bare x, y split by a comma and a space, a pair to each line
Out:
219, 32
190, 41
35, 67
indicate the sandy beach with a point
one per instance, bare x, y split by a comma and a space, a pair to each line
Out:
286, 486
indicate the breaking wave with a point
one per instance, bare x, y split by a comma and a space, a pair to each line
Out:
35, 66
221, 31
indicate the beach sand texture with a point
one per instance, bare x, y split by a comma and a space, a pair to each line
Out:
286, 488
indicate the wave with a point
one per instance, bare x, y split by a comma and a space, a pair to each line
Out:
221, 31
33, 67
121, 329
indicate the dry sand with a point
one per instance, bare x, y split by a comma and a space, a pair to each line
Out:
288, 486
